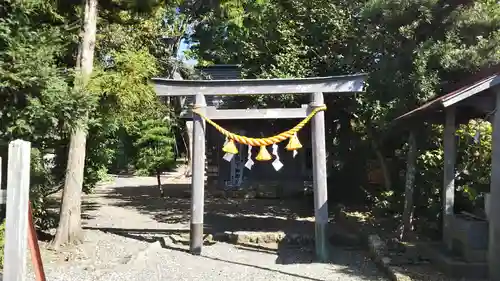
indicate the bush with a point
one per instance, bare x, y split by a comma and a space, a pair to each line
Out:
46, 179
155, 148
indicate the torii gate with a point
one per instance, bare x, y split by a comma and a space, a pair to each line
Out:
347, 84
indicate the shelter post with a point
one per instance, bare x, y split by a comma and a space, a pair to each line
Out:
320, 179
198, 178
411, 164
448, 194
494, 208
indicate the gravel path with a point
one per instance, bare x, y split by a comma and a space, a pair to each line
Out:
131, 256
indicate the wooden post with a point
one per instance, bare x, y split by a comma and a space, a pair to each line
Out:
3, 197
3, 193
448, 194
36, 257
189, 132
198, 178
320, 179
16, 227
409, 185
494, 218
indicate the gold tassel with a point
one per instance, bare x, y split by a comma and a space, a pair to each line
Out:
230, 147
294, 143
263, 155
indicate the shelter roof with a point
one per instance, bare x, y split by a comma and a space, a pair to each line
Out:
477, 85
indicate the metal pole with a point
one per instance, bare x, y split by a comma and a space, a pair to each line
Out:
319, 181
198, 178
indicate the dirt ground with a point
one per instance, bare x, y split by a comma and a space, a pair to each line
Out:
127, 225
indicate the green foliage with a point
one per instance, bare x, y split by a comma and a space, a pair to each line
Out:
121, 81
474, 158
46, 178
155, 147
412, 51
37, 102
41, 103
473, 171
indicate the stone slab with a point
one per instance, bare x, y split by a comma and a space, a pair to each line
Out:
451, 266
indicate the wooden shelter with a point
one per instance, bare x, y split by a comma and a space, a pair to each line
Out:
478, 97
315, 86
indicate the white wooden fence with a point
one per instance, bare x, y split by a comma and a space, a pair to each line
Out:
17, 205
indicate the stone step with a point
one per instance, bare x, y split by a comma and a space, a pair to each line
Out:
452, 266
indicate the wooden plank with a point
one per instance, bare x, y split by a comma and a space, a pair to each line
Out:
320, 179
448, 193
16, 228
333, 84
198, 179
472, 90
494, 211
270, 113
484, 103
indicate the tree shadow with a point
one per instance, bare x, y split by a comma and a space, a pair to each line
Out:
53, 207
222, 215
285, 255
175, 208
51, 217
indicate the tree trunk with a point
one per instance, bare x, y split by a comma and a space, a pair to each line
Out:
383, 165
158, 180
409, 186
69, 229
380, 157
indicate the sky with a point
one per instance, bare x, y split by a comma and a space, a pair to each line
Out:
180, 54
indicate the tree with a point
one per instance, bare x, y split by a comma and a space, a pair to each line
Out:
69, 229
411, 50
155, 148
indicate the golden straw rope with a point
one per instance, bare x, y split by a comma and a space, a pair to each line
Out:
262, 141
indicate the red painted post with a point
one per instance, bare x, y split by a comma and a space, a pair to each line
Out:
36, 257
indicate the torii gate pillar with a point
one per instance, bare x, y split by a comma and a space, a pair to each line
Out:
198, 178
319, 178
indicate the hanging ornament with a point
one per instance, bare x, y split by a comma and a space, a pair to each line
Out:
249, 162
263, 154
230, 147
276, 163
294, 143
228, 157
